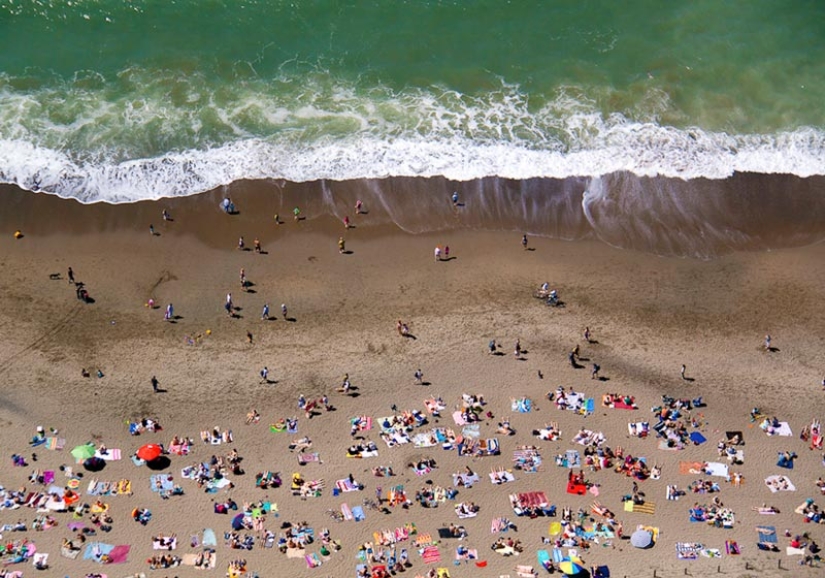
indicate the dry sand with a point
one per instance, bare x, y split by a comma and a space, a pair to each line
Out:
648, 314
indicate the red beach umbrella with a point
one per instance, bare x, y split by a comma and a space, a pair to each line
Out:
149, 452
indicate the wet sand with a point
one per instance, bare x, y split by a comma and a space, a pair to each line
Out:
648, 314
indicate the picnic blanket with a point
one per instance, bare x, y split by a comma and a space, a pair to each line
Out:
784, 429
644, 508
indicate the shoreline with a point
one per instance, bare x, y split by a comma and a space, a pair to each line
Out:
649, 314
700, 218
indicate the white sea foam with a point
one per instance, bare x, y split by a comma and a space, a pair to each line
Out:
96, 140
645, 150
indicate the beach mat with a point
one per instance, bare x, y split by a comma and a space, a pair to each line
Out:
767, 534
645, 508
697, 438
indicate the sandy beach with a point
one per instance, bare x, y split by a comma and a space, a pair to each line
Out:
648, 316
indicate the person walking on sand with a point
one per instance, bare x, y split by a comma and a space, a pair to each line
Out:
447, 252
297, 214
265, 375
165, 215
341, 245
257, 244
243, 278
265, 312
682, 372
249, 337
346, 221
358, 206
283, 310
71, 275
524, 242
155, 384
587, 334
241, 244
419, 376
152, 230
594, 372
170, 313
437, 253
767, 343
454, 198
517, 348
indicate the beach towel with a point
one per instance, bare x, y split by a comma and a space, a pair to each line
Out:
697, 438
292, 426
666, 445
645, 508
543, 557
55, 443
558, 556
638, 429
312, 560
767, 534
431, 555
209, 537
345, 510
164, 543
98, 552
40, 560
501, 477
161, 482
465, 480
522, 405
687, 550
471, 430
304, 459
110, 455
69, 553
358, 514
458, 418
717, 469
732, 548
779, 484
345, 485
691, 468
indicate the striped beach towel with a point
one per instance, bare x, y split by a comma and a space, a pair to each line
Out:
645, 508
431, 555
55, 443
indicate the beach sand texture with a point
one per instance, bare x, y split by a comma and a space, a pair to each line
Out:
649, 315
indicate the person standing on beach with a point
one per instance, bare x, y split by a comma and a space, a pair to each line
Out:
265, 375
155, 384
524, 242
437, 253
682, 372
241, 244
587, 334
283, 310
594, 372
152, 230
767, 343
358, 206
297, 213
71, 275
419, 376
165, 215
455, 198
170, 312
265, 312
341, 245
447, 252
257, 244
243, 279
346, 221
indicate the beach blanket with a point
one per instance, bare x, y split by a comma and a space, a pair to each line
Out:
716, 469
638, 429
767, 534
687, 550
209, 537
697, 438
55, 443
784, 429
312, 560
465, 480
161, 483
362, 423
692, 468
164, 543
434, 406
670, 445
111, 454
501, 477
69, 553
207, 561
345, 485
645, 508
570, 459
521, 405
779, 484
458, 418
431, 555
471, 430
98, 552
732, 548
304, 459
358, 514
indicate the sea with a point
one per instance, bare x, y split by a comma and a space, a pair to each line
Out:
679, 128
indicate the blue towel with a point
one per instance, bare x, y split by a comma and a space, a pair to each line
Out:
697, 438
557, 555
768, 536
358, 514
96, 549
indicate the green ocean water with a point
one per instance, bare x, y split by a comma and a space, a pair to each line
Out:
122, 100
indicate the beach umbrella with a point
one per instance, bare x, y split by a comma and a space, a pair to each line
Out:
149, 452
555, 529
83, 452
237, 522
641, 538
94, 464
571, 566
